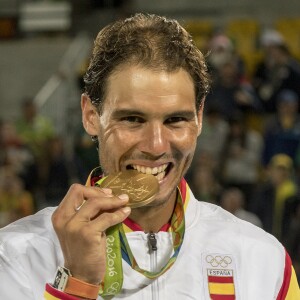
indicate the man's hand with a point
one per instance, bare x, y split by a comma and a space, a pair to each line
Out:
80, 222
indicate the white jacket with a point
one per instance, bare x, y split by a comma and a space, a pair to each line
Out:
216, 244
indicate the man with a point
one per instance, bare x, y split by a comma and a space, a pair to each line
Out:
272, 200
282, 131
233, 200
145, 90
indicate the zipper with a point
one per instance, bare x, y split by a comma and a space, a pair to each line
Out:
152, 244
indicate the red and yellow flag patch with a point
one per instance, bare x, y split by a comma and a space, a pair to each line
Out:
221, 284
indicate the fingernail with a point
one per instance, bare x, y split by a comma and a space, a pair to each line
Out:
126, 210
123, 197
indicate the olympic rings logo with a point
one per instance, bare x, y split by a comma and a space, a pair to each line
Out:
218, 261
113, 289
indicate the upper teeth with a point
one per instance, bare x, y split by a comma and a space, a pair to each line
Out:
148, 170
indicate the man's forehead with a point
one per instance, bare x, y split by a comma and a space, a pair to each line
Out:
137, 77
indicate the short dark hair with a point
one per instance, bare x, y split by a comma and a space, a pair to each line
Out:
148, 40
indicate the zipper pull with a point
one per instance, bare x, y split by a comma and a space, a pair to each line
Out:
152, 241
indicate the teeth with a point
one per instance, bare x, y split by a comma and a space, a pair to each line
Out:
159, 172
160, 176
162, 168
155, 170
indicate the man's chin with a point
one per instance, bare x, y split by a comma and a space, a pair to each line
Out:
162, 200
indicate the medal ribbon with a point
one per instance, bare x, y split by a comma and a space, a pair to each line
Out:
177, 228
117, 247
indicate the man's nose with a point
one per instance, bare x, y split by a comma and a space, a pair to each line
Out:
155, 140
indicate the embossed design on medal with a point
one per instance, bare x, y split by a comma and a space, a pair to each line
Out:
216, 261
141, 188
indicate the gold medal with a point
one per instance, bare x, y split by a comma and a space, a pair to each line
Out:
141, 188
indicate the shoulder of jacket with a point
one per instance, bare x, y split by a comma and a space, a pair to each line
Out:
232, 227
19, 235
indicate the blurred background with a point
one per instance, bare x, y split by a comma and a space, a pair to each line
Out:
248, 155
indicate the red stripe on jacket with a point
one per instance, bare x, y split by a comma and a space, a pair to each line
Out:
286, 278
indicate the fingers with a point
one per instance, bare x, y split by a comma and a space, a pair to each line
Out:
76, 196
80, 223
107, 220
95, 206
97, 215
93, 230
84, 204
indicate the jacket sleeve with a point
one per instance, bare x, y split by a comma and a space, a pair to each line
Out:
14, 284
289, 289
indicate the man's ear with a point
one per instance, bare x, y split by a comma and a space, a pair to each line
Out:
90, 116
200, 117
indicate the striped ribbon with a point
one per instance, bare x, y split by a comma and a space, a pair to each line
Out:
177, 228
117, 247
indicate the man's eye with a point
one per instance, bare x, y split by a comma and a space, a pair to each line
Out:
133, 119
174, 120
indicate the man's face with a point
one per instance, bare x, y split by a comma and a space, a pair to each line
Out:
149, 123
